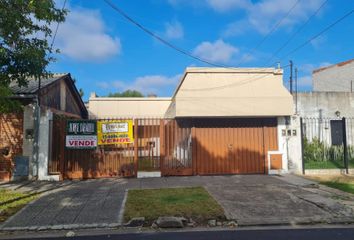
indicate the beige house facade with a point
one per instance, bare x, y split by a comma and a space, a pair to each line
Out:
239, 92
121, 107
237, 119
207, 92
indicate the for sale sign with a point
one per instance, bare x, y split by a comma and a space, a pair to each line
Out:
115, 132
81, 134
73, 141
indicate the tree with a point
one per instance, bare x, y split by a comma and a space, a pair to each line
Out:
81, 92
24, 49
127, 93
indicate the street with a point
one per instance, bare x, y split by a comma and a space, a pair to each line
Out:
269, 234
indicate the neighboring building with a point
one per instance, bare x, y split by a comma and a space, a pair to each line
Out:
57, 95
237, 117
334, 78
332, 95
325, 104
331, 100
127, 107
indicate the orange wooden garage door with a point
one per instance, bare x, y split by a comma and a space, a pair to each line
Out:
233, 146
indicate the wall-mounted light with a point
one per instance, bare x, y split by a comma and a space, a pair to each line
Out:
337, 113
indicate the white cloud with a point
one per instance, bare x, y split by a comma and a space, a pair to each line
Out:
103, 85
217, 52
227, 5
174, 30
260, 16
236, 28
146, 84
263, 15
83, 36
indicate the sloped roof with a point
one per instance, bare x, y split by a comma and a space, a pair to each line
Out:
32, 86
333, 65
236, 92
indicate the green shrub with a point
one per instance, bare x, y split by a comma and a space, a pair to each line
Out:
317, 151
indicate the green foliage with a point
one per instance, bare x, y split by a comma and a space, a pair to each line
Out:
81, 92
346, 187
8, 105
24, 33
127, 93
317, 151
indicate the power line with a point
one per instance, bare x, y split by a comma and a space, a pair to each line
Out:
318, 34
297, 31
187, 53
157, 37
57, 27
271, 31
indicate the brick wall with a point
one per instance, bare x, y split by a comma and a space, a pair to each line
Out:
11, 139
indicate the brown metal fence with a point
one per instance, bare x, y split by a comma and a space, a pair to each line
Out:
104, 161
222, 146
156, 141
177, 144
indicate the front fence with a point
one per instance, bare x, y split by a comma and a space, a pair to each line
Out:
327, 143
159, 145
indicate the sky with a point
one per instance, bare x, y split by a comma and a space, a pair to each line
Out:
106, 53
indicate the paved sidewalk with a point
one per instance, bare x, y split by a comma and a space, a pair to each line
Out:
91, 203
248, 199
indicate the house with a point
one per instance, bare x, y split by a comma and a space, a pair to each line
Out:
20, 156
338, 77
332, 95
332, 99
231, 120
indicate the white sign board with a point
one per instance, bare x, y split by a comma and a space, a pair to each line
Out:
81, 141
115, 127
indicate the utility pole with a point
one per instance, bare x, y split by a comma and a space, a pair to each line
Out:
291, 77
296, 90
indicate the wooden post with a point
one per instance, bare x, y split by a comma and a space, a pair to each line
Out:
136, 126
162, 145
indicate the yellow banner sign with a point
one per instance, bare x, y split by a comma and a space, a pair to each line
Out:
115, 132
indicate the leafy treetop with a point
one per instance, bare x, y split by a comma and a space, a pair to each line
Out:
25, 27
127, 93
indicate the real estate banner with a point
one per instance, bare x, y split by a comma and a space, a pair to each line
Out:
115, 132
81, 134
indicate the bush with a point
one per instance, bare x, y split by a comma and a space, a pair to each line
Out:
317, 151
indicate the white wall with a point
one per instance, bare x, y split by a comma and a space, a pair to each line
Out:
44, 147
289, 145
294, 146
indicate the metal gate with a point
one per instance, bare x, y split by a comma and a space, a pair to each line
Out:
233, 146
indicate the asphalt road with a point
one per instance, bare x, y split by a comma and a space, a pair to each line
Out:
288, 234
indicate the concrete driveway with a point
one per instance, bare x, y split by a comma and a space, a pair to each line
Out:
248, 199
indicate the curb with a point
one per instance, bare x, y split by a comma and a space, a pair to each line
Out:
62, 227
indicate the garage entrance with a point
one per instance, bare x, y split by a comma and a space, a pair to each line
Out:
233, 146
